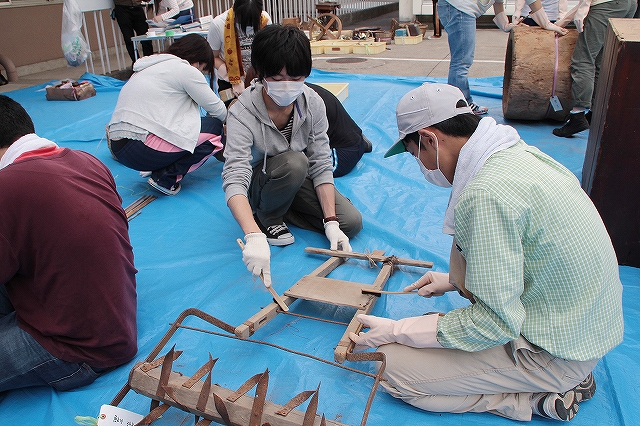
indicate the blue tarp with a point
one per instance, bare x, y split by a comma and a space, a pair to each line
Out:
186, 253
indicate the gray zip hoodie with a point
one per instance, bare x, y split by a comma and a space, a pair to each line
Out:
252, 138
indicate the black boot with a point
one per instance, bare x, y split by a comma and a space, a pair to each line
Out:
576, 123
368, 147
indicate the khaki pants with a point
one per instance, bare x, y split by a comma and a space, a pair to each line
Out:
499, 380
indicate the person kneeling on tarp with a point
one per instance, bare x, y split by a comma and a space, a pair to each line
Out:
542, 312
67, 278
156, 126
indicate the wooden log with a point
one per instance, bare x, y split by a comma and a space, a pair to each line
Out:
530, 72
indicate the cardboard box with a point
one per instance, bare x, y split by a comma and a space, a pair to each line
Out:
408, 39
339, 90
70, 90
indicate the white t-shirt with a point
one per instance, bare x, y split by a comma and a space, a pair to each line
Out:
551, 7
476, 8
216, 37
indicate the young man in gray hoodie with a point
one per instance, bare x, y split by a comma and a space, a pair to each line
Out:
278, 163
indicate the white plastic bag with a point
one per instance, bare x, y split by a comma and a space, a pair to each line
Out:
74, 46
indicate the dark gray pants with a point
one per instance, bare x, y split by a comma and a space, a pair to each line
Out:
285, 193
587, 54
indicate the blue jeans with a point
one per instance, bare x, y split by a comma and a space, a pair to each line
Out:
461, 34
26, 363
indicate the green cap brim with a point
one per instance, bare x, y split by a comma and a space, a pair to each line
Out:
396, 148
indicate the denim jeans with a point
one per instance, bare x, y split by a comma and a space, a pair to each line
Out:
26, 363
461, 34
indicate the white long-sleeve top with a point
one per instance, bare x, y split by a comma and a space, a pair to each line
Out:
171, 8
163, 97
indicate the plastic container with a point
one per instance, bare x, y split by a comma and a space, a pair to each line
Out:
408, 39
369, 48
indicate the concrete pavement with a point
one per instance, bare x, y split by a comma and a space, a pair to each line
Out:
430, 58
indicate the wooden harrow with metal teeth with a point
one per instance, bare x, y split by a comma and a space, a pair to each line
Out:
211, 402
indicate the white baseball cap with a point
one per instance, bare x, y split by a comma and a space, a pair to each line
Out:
425, 106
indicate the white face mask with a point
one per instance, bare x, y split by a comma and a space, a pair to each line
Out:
285, 92
435, 177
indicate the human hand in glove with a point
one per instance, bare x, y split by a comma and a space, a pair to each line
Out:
337, 239
257, 256
577, 14
417, 332
503, 23
517, 17
541, 18
432, 284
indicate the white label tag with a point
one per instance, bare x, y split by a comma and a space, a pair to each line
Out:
556, 104
110, 416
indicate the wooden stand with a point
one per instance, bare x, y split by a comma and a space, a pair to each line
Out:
611, 172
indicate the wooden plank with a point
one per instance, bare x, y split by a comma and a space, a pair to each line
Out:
345, 345
239, 411
261, 318
370, 256
328, 266
328, 290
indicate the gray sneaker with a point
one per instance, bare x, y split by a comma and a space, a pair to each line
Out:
277, 235
557, 406
586, 389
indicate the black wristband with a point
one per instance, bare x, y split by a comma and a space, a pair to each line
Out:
329, 219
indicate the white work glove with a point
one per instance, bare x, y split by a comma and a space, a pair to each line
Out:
562, 10
337, 239
517, 17
257, 255
432, 284
577, 14
417, 332
541, 18
502, 22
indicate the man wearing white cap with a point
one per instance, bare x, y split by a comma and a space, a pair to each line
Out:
531, 254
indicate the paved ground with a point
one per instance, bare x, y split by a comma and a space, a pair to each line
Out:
430, 58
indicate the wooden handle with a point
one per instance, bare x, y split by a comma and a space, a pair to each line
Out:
365, 291
275, 295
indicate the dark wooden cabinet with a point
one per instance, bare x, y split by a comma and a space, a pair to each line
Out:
611, 170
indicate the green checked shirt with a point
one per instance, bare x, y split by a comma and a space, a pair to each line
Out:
539, 261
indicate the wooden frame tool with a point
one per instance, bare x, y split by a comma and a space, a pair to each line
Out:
317, 287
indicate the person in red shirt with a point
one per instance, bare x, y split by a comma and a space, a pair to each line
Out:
67, 277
